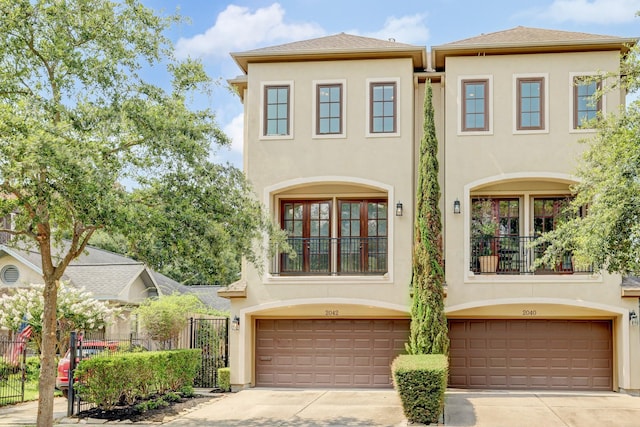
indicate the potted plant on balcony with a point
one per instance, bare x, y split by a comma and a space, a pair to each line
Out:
483, 232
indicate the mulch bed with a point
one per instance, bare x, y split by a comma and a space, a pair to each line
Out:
130, 412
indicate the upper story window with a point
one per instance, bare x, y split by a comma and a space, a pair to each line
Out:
475, 105
530, 99
531, 103
585, 105
357, 246
329, 110
277, 110
383, 107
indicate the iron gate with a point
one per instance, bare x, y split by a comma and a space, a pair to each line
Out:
13, 353
212, 337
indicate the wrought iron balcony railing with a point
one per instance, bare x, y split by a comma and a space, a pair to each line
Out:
328, 256
516, 255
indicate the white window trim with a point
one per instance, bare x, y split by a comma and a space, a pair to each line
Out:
291, 109
545, 77
460, 100
367, 121
314, 109
572, 77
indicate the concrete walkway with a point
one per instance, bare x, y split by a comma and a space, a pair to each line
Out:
378, 408
325, 408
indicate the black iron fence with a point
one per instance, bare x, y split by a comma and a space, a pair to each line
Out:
517, 255
88, 345
13, 354
333, 256
212, 337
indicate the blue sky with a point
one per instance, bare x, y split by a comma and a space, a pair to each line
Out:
219, 27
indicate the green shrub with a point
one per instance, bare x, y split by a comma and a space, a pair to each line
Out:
106, 380
421, 381
33, 368
224, 379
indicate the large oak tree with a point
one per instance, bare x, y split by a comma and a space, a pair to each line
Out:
77, 119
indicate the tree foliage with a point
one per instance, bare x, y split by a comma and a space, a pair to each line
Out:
194, 225
608, 236
428, 322
77, 310
165, 317
77, 119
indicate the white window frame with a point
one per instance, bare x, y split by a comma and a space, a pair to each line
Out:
367, 121
263, 85
572, 77
460, 101
314, 109
547, 83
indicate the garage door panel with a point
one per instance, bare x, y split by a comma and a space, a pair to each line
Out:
332, 353
553, 354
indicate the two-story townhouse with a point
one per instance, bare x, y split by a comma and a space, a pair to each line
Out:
517, 103
329, 147
332, 129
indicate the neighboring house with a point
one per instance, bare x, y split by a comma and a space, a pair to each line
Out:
332, 131
110, 277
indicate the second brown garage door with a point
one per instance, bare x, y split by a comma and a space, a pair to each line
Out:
327, 352
531, 354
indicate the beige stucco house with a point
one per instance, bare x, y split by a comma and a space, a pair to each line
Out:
331, 136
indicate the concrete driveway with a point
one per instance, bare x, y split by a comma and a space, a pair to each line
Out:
344, 408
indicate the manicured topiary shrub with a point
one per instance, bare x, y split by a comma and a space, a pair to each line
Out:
421, 381
224, 379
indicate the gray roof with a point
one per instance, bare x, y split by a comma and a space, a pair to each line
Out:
338, 46
527, 35
521, 40
207, 294
106, 274
630, 282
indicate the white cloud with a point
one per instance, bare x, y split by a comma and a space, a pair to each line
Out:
592, 11
234, 130
237, 28
406, 29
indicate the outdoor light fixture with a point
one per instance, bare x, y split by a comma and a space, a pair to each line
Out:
399, 208
235, 324
633, 318
456, 206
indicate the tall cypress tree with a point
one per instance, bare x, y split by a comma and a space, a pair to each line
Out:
428, 321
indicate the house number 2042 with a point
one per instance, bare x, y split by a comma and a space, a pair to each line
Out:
331, 313
529, 312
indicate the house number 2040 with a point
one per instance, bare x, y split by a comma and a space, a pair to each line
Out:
529, 312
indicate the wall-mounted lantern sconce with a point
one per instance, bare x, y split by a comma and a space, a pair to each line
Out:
399, 209
456, 206
633, 318
235, 323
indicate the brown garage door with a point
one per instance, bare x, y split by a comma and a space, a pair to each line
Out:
327, 352
531, 354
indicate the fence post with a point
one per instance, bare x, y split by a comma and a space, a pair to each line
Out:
72, 368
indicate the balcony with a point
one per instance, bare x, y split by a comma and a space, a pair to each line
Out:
328, 256
514, 255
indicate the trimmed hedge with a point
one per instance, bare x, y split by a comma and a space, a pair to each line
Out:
421, 381
224, 379
108, 379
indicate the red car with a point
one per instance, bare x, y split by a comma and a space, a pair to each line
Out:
86, 350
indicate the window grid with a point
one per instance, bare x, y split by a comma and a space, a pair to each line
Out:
585, 106
276, 110
329, 121
383, 108
530, 103
475, 111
